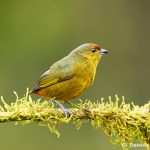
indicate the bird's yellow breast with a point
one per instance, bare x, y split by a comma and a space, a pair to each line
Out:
84, 74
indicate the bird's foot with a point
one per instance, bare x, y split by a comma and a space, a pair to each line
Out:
65, 110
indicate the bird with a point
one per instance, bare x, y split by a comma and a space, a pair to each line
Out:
69, 77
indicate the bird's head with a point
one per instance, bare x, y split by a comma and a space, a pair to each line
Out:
91, 51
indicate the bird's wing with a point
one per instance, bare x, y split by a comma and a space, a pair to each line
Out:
59, 72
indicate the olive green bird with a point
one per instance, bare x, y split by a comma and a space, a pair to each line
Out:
72, 75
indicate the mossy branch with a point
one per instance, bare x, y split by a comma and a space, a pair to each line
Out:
123, 123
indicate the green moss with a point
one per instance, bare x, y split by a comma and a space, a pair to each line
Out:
120, 121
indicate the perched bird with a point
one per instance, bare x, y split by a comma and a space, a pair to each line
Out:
72, 75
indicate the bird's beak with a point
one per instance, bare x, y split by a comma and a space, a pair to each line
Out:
103, 51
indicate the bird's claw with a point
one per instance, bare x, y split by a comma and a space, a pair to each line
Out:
66, 112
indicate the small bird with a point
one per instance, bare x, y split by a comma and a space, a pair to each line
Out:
71, 76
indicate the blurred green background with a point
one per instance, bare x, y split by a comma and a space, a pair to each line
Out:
34, 34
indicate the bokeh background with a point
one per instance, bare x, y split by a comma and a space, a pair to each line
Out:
34, 34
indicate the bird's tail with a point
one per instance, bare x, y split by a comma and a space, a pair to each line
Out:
35, 89
39, 91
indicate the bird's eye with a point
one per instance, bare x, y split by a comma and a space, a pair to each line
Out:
93, 50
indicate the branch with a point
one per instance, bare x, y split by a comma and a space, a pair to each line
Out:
123, 123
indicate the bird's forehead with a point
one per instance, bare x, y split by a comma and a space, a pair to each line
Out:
86, 46
89, 45
96, 46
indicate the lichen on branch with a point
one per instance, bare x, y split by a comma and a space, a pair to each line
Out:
120, 121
